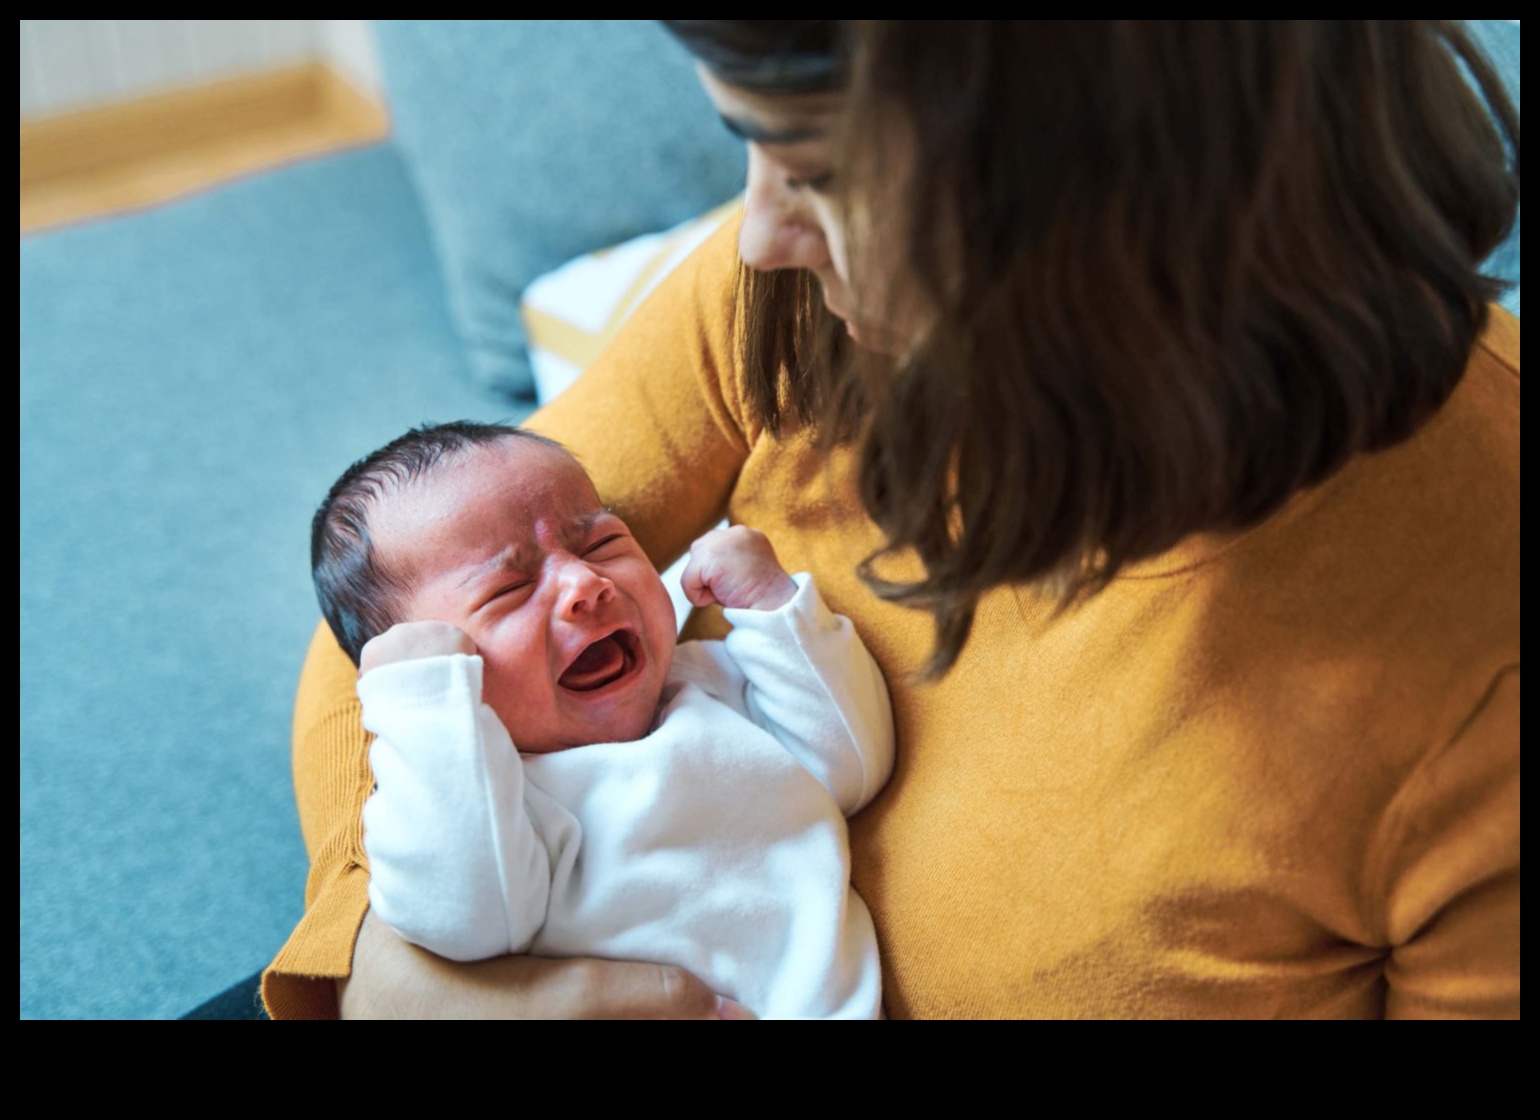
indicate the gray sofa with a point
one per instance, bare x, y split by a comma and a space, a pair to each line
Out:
193, 378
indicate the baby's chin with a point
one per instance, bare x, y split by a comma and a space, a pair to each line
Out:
635, 726
630, 719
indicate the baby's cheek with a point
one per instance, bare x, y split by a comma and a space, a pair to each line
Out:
518, 710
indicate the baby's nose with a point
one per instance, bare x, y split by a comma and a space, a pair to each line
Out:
583, 589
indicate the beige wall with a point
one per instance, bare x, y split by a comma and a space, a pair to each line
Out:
74, 63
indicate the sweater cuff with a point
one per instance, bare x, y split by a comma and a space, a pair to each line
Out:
301, 981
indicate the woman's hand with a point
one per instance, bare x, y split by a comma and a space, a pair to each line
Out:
393, 979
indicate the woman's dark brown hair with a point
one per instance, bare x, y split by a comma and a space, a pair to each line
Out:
1173, 273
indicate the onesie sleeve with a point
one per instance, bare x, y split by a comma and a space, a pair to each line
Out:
1449, 872
813, 685
455, 863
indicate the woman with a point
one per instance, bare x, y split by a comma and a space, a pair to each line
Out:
1133, 388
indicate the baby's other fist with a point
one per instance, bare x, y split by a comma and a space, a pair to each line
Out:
736, 567
410, 641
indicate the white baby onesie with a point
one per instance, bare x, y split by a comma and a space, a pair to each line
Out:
717, 842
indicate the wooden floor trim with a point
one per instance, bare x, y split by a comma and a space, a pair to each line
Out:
119, 157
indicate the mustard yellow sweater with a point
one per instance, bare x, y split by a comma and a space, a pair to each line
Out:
1272, 774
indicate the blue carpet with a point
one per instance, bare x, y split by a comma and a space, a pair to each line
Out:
192, 379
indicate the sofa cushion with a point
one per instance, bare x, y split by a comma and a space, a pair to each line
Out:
572, 312
531, 142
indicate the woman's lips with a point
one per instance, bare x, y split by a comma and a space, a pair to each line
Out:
601, 663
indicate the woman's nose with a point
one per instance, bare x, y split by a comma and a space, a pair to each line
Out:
780, 229
582, 589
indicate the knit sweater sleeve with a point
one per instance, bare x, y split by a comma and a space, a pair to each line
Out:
657, 420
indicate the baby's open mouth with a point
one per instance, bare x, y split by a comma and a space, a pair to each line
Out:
604, 662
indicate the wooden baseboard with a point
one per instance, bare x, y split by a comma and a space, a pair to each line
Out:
139, 153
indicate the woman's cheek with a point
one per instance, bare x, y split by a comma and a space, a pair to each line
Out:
832, 222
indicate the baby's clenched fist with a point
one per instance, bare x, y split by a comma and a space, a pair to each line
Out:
410, 641
737, 568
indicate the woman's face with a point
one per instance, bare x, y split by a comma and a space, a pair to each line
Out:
792, 217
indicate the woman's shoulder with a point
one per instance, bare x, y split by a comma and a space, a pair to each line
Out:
1500, 342
1486, 404
1407, 560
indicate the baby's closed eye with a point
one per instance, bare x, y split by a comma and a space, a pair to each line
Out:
606, 546
505, 593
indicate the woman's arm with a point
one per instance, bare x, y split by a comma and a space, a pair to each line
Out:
657, 422
1448, 871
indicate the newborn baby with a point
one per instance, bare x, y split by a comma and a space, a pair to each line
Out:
554, 775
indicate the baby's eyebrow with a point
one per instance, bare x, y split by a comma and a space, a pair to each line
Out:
512, 558
582, 526
516, 557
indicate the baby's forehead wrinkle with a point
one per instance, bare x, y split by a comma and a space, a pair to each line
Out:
510, 558
520, 555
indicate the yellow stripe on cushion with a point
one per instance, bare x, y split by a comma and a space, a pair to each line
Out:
555, 335
572, 312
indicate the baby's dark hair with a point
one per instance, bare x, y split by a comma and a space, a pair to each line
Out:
359, 594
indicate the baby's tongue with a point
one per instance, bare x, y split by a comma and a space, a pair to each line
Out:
596, 666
